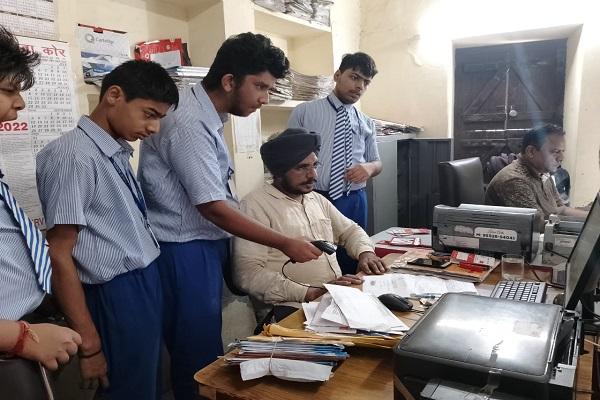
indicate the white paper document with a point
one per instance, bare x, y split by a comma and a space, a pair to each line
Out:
364, 311
407, 285
316, 313
289, 370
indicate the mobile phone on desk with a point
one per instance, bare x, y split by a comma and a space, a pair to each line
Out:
428, 262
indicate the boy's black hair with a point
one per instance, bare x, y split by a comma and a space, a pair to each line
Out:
363, 62
246, 54
536, 137
142, 80
16, 63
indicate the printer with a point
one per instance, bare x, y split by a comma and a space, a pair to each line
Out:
489, 230
482, 348
560, 234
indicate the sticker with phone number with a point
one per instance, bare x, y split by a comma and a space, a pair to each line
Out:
14, 126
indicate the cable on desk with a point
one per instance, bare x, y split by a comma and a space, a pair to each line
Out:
557, 254
554, 285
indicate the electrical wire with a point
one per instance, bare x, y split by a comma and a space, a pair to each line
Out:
557, 254
554, 285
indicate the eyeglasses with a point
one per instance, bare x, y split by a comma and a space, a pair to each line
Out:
304, 168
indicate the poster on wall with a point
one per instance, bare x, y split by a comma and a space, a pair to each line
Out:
34, 18
101, 51
50, 111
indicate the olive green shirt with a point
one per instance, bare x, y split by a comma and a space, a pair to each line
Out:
519, 185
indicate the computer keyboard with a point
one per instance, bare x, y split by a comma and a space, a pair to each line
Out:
533, 292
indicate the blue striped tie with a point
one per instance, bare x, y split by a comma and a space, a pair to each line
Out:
342, 155
33, 237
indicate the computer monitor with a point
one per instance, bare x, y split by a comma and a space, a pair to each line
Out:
583, 265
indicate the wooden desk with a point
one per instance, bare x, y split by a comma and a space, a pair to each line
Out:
367, 374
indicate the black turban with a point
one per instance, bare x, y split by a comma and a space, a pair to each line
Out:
287, 149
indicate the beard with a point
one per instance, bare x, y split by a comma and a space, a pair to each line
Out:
284, 183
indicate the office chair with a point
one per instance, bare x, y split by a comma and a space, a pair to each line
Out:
461, 181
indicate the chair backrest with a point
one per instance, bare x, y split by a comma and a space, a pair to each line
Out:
461, 181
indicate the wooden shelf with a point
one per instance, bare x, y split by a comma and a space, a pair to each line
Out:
282, 105
286, 25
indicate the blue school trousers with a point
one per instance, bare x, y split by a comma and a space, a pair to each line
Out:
127, 312
192, 280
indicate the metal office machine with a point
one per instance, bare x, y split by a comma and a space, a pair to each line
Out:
485, 229
470, 347
560, 234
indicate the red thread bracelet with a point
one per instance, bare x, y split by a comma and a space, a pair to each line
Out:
18, 347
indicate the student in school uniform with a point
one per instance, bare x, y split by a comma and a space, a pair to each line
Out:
102, 247
349, 155
186, 176
24, 264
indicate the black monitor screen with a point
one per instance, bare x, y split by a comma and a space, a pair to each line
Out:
583, 266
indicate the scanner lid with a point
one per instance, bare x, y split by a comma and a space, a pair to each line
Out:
482, 333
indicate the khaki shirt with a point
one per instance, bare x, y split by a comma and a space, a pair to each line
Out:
518, 185
257, 268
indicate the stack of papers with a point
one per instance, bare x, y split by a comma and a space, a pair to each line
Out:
310, 87
321, 11
407, 285
302, 361
282, 90
187, 76
328, 354
273, 5
346, 310
299, 9
394, 128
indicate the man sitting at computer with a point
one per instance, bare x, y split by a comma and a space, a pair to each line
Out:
527, 182
290, 206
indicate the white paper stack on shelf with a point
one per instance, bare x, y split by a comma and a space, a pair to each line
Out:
187, 76
282, 90
310, 87
273, 5
394, 128
346, 310
408, 285
321, 11
299, 8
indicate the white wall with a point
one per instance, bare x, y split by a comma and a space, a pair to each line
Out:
142, 20
413, 41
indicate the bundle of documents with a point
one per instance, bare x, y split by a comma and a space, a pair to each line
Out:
394, 128
187, 75
346, 310
303, 361
328, 354
310, 87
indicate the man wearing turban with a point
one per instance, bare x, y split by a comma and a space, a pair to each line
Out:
289, 205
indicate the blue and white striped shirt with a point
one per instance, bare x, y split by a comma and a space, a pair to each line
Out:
20, 293
186, 164
319, 116
78, 185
